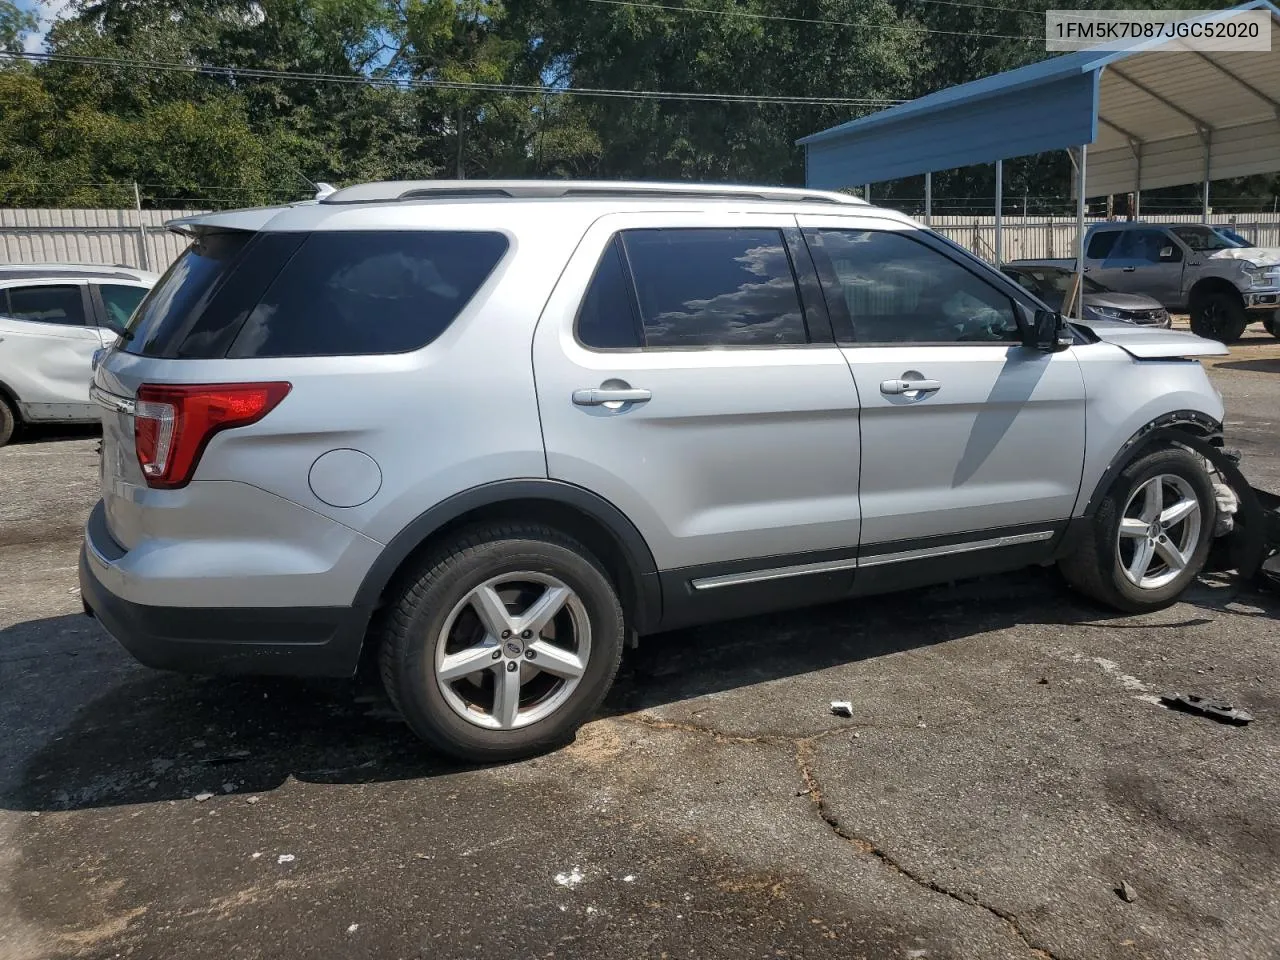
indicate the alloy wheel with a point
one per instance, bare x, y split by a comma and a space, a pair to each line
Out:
513, 650
1159, 531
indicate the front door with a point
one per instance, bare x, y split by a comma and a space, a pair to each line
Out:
684, 376
1146, 261
969, 438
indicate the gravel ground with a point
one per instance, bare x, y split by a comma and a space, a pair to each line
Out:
1004, 771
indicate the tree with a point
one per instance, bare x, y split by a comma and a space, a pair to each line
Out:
15, 24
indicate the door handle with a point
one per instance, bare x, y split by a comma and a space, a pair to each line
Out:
895, 388
1128, 269
600, 396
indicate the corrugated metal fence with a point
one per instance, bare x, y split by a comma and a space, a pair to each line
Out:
138, 239
131, 238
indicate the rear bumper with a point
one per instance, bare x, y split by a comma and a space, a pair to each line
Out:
277, 641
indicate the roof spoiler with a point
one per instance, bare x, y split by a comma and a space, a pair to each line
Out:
252, 220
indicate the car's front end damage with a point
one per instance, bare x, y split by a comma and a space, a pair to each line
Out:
1247, 536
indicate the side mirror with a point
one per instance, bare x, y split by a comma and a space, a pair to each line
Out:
1049, 332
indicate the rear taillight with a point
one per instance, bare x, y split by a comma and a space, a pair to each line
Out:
172, 423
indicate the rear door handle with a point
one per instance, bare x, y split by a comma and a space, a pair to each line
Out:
895, 388
600, 396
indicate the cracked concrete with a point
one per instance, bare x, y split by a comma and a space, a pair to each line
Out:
998, 780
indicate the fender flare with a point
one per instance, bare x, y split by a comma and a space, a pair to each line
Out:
1175, 427
638, 558
1201, 434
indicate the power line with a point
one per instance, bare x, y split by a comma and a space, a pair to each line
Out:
250, 73
861, 25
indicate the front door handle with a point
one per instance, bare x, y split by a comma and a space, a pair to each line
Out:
1128, 269
896, 388
605, 396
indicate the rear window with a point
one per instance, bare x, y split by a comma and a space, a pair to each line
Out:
167, 314
347, 293
239, 294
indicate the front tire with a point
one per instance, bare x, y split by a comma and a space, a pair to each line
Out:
502, 643
1150, 536
8, 422
1219, 316
1272, 324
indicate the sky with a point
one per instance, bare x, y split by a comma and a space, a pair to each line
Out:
47, 11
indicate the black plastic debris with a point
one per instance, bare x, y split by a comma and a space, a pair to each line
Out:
1219, 710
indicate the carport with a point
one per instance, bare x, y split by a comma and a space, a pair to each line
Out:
1133, 120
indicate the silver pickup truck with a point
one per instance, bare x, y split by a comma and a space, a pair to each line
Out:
1189, 268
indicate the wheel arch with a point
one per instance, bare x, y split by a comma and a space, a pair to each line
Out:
1206, 286
597, 523
1168, 428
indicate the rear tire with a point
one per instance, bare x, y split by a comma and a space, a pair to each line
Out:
1219, 316
1104, 563
459, 633
8, 422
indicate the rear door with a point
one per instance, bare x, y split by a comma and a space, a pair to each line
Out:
48, 346
686, 373
969, 439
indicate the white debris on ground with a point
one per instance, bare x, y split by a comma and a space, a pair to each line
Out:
629, 878
202, 797
286, 858
570, 879
353, 928
842, 708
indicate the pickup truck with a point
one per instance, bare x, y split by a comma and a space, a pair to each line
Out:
1189, 268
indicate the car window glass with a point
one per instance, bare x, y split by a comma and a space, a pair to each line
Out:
47, 304
606, 319
898, 290
1203, 238
715, 287
120, 303
178, 301
1141, 246
1100, 244
347, 293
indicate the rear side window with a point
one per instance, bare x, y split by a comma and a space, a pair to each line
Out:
62, 305
729, 287
120, 302
1100, 244
606, 319
356, 292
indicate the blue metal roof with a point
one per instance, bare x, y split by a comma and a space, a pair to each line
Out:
1048, 105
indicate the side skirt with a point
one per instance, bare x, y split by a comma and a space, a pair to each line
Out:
714, 592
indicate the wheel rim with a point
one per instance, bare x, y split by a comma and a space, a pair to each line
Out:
1213, 316
513, 650
1159, 531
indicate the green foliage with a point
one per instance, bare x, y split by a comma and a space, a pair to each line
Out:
402, 99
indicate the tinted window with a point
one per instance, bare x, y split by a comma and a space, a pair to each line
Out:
606, 319
62, 304
700, 288
120, 303
347, 293
1204, 238
897, 290
1100, 244
1141, 246
168, 313
1051, 285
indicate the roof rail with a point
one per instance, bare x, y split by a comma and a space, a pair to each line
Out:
392, 191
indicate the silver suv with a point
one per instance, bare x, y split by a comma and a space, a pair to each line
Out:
484, 434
